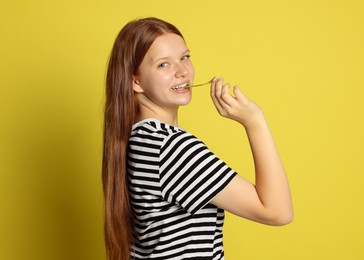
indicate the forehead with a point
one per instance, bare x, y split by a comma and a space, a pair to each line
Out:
166, 45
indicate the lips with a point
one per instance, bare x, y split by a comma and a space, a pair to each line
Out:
180, 86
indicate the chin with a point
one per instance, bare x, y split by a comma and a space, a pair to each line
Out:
185, 102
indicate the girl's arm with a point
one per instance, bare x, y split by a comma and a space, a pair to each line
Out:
269, 200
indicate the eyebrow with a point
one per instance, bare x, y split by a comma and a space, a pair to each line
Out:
167, 57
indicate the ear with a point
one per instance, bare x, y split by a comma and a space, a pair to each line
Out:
136, 86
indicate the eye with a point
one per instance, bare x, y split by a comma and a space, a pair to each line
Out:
186, 57
163, 65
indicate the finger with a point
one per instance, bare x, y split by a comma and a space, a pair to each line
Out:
213, 94
212, 87
218, 87
226, 97
217, 92
240, 97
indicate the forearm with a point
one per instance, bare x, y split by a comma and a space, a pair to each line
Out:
271, 180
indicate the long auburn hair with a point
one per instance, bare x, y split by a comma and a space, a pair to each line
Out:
130, 47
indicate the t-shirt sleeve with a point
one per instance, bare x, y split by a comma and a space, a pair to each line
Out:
190, 174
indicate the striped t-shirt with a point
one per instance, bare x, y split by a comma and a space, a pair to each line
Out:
172, 178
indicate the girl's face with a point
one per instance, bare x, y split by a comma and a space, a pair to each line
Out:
165, 69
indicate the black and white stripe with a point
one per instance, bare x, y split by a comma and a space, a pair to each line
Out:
173, 176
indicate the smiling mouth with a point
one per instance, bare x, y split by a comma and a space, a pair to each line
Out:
180, 87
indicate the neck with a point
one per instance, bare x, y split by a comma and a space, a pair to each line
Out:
166, 118
165, 115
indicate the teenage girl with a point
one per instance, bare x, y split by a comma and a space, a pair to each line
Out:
165, 191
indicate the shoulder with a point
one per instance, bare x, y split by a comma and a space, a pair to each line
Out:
154, 127
155, 130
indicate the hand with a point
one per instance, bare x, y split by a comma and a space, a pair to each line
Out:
238, 107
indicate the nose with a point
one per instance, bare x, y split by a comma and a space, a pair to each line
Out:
181, 70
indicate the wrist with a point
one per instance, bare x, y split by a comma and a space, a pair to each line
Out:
256, 121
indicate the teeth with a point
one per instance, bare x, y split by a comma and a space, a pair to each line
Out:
179, 87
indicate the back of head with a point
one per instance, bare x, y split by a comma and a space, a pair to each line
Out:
130, 47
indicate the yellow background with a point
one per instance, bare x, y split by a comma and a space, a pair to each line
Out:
302, 61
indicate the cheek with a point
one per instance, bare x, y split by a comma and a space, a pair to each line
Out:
191, 70
157, 81
163, 79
